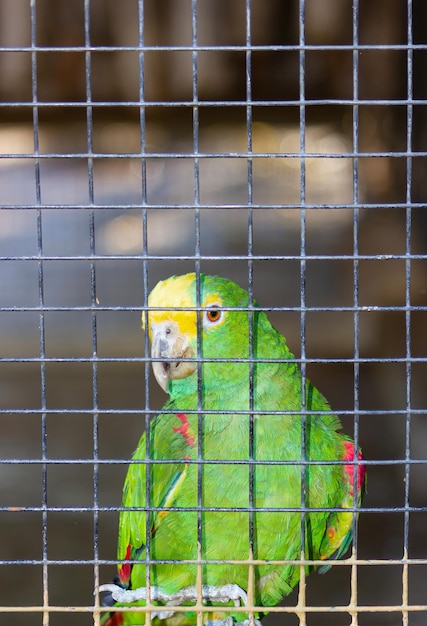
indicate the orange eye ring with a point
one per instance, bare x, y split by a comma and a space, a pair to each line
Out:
213, 315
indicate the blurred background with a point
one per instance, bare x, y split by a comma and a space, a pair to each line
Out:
63, 207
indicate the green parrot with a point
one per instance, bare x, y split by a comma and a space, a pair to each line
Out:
192, 495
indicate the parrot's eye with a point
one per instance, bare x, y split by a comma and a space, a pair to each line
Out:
213, 315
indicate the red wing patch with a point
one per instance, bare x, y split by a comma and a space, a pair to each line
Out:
125, 568
349, 469
184, 429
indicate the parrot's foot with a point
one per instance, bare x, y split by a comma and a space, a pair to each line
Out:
126, 596
210, 593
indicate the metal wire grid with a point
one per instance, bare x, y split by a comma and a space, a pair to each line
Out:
303, 609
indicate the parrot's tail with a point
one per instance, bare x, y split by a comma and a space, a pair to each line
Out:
112, 619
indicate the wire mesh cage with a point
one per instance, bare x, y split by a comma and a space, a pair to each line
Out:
278, 144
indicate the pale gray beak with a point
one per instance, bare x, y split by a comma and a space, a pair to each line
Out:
170, 344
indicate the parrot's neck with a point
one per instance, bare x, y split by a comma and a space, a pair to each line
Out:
230, 388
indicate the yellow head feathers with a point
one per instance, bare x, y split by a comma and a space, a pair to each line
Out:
177, 293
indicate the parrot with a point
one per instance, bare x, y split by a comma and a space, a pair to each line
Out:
241, 480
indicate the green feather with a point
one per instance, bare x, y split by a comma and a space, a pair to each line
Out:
225, 436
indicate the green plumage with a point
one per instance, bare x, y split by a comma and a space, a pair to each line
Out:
223, 435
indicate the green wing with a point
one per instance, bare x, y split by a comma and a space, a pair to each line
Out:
339, 531
166, 481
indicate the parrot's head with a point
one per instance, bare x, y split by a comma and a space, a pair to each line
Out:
173, 327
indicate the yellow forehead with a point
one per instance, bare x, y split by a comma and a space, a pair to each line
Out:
177, 293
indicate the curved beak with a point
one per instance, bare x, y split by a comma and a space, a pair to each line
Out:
170, 345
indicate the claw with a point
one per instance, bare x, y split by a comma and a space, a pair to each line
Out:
126, 596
